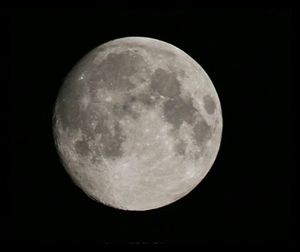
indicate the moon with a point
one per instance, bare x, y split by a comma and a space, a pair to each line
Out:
137, 124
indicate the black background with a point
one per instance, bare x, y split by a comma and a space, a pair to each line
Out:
245, 198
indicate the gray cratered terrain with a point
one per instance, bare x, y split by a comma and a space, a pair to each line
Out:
137, 123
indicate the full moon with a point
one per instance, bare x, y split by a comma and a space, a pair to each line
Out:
137, 123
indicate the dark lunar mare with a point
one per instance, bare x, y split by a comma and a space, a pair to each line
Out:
110, 74
177, 109
94, 126
113, 74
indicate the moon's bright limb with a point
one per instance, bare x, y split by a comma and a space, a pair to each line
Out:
137, 123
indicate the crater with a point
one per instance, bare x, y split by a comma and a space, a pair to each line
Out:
178, 110
164, 83
202, 132
180, 147
82, 148
209, 104
120, 110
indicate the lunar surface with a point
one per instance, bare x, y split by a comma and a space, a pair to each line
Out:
137, 124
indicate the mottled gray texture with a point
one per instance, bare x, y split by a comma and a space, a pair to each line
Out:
202, 132
137, 124
178, 110
180, 147
209, 104
111, 72
111, 143
165, 84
